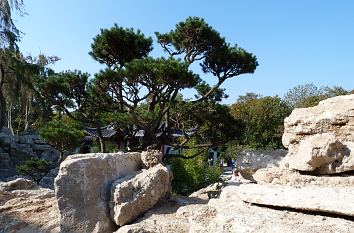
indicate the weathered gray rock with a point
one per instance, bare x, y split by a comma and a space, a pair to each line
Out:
27, 139
40, 142
249, 161
320, 139
4, 159
151, 158
293, 178
18, 183
6, 138
24, 149
50, 155
130, 197
322, 199
8, 163
48, 180
42, 147
15, 150
82, 189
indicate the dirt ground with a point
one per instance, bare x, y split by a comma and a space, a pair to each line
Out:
27, 211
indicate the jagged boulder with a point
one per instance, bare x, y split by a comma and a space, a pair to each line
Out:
320, 139
249, 161
82, 189
151, 158
134, 195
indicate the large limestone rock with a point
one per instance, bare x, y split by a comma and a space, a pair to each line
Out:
320, 139
26, 207
249, 161
322, 199
295, 179
164, 217
82, 189
19, 183
132, 196
230, 214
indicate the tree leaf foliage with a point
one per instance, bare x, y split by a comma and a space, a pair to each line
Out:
262, 120
117, 46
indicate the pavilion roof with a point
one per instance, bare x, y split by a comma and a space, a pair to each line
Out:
107, 131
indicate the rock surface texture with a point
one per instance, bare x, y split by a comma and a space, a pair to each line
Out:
320, 139
25, 207
35, 211
295, 179
249, 161
212, 191
82, 189
132, 196
151, 158
48, 180
320, 199
229, 213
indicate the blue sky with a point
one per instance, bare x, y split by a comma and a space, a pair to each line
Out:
296, 42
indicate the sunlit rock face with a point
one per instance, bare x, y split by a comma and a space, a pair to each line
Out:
249, 161
82, 189
320, 139
133, 196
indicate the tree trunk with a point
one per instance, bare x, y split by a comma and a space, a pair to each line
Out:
26, 115
61, 157
121, 106
102, 144
100, 137
9, 118
149, 138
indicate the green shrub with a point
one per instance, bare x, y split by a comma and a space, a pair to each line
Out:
35, 168
63, 134
191, 175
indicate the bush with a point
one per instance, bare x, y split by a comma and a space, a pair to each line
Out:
35, 168
191, 175
63, 134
